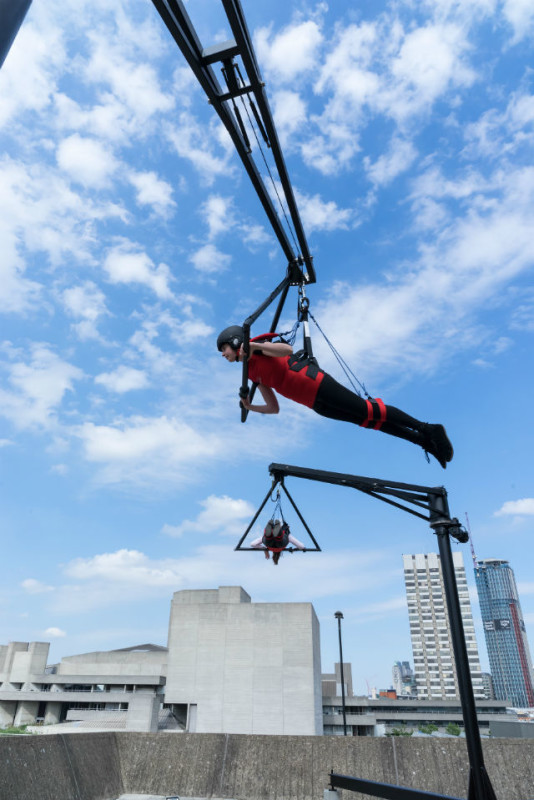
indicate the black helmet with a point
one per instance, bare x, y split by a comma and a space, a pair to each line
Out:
232, 336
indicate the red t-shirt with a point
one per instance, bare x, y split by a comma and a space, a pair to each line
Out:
273, 371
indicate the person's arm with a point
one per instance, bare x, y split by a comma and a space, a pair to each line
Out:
257, 542
275, 349
296, 542
271, 403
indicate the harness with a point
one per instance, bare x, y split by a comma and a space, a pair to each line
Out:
276, 535
376, 413
296, 361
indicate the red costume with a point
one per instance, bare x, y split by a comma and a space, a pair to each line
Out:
274, 372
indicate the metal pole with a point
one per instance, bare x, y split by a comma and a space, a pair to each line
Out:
12, 13
478, 779
339, 616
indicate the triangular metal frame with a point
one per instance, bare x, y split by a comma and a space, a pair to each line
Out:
314, 549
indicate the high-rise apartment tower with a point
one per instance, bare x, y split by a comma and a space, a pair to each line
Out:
504, 629
434, 667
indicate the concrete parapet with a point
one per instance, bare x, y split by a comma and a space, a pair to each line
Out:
298, 767
104, 766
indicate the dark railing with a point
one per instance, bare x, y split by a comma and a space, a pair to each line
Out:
385, 790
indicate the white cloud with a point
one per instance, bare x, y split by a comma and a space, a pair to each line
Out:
497, 132
218, 214
33, 586
289, 112
87, 161
55, 633
520, 15
88, 303
123, 566
400, 157
127, 264
135, 84
430, 62
40, 213
123, 379
220, 514
137, 450
39, 388
152, 191
427, 313
318, 214
291, 52
126, 576
523, 507
209, 259
196, 143
29, 75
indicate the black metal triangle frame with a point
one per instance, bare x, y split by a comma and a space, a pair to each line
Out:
314, 549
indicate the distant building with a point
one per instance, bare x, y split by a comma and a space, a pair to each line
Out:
379, 716
241, 667
331, 682
504, 629
117, 689
403, 679
487, 683
433, 656
231, 666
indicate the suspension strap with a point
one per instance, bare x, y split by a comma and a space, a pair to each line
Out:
376, 413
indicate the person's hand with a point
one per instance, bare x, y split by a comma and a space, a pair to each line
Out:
245, 402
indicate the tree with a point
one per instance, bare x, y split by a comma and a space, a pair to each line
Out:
402, 731
453, 729
430, 728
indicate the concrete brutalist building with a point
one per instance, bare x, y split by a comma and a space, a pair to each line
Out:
231, 666
240, 667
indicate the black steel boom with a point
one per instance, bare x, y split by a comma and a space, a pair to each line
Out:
177, 20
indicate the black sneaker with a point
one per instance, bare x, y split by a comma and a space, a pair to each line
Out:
437, 443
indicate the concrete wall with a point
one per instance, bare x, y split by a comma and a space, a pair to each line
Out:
104, 766
62, 767
114, 662
247, 667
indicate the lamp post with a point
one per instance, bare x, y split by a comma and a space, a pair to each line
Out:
339, 616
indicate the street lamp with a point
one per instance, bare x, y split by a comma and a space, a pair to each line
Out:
339, 616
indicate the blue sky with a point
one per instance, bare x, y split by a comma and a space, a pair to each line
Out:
131, 236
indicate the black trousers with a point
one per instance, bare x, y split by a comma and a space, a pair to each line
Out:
337, 402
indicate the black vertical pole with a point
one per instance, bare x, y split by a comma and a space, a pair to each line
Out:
12, 13
479, 785
339, 616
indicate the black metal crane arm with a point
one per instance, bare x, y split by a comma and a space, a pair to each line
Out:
423, 497
177, 20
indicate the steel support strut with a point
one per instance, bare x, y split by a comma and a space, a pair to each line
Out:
12, 13
479, 784
434, 501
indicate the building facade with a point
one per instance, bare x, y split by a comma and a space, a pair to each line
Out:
504, 629
403, 679
121, 689
242, 667
231, 666
433, 655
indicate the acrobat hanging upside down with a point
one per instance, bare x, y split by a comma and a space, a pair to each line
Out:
273, 366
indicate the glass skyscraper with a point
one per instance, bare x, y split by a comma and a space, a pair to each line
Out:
504, 628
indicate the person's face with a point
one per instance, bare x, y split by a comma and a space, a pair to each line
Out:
228, 353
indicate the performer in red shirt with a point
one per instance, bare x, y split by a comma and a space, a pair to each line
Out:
272, 366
